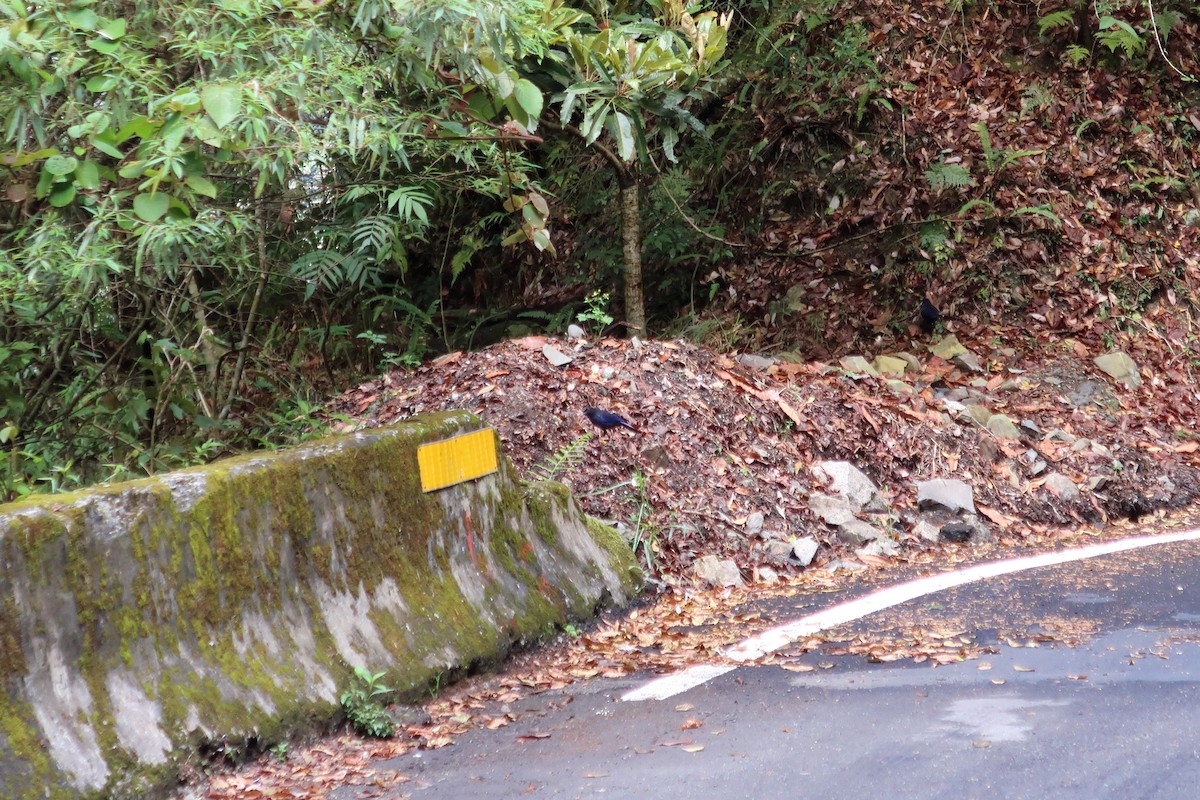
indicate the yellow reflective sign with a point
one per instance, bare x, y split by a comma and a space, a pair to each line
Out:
461, 458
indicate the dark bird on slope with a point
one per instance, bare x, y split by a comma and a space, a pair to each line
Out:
606, 420
929, 315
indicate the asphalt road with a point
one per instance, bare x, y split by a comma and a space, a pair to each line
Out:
1117, 715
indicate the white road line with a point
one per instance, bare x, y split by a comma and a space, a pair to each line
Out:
782, 635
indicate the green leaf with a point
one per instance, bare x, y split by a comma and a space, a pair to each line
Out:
223, 102
112, 29
100, 83
103, 46
670, 138
87, 175
593, 121
1057, 19
201, 185
60, 165
62, 195
151, 207
529, 97
82, 18
623, 133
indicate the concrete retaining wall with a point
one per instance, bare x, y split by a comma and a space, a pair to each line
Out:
144, 621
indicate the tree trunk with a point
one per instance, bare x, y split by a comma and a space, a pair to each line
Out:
631, 250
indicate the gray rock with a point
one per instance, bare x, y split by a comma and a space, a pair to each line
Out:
856, 533
1030, 429
948, 348
979, 412
1120, 367
967, 528
777, 550
926, 530
831, 510
754, 523
1096, 483
850, 484
1061, 486
890, 366
804, 549
555, 356
766, 575
575, 332
717, 572
956, 532
946, 494
897, 386
883, 546
1002, 427
914, 363
1059, 435
968, 361
756, 362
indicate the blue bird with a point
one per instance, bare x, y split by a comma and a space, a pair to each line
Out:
929, 315
606, 420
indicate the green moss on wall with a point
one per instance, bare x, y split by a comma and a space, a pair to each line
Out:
197, 597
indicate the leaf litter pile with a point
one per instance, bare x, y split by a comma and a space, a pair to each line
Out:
719, 443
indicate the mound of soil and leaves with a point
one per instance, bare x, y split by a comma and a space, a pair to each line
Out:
721, 461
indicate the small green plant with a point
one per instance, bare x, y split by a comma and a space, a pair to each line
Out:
596, 310
645, 532
363, 705
563, 459
998, 158
279, 751
947, 176
572, 631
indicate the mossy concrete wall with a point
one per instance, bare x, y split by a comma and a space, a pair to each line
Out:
142, 624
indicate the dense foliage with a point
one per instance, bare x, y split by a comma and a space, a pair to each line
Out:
201, 196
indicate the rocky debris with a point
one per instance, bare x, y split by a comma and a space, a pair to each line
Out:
805, 549
850, 484
948, 347
891, 366
856, 532
1120, 367
555, 356
756, 362
1002, 427
945, 494
575, 332
966, 529
717, 571
1061, 486
720, 441
831, 510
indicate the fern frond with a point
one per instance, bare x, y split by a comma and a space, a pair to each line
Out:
566, 457
1056, 20
1077, 54
945, 176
